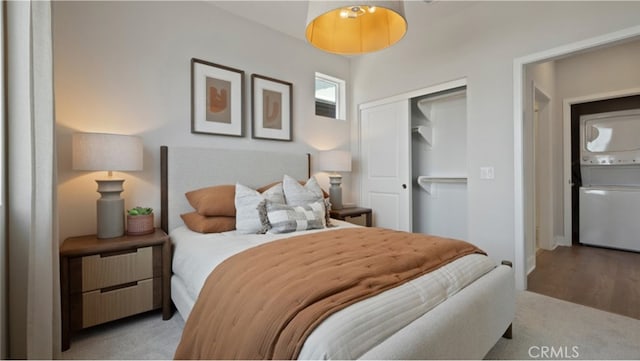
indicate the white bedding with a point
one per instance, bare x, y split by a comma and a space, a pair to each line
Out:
351, 332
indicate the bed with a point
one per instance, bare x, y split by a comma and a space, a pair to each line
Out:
464, 326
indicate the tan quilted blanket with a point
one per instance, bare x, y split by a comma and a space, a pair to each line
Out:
262, 303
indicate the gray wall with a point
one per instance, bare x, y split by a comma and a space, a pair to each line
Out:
124, 67
480, 41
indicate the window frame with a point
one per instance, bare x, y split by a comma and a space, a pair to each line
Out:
341, 95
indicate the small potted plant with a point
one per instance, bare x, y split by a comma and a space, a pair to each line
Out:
139, 221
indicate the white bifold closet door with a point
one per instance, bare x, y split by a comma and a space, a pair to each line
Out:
385, 162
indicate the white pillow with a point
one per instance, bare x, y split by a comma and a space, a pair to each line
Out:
275, 194
297, 195
250, 204
285, 218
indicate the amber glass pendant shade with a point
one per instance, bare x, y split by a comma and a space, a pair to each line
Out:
350, 28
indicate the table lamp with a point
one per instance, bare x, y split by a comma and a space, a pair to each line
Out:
334, 161
108, 152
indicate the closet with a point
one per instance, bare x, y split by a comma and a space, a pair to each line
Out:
439, 163
413, 160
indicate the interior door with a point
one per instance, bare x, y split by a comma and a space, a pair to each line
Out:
385, 153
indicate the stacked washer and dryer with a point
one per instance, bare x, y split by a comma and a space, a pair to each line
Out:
610, 169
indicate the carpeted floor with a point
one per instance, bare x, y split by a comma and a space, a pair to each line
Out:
543, 326
544, 321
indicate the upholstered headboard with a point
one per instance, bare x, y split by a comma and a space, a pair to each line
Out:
184, 169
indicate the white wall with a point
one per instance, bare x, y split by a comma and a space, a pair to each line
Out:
124, 67
603, 70
480, 41
538, 174
543, 76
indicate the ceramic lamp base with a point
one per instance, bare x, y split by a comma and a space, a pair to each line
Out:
335, 191
110, 208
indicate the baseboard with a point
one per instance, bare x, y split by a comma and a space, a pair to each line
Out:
531, 261
561, 241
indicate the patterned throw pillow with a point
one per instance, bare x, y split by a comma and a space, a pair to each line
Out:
248, 209
284, 218
296, 194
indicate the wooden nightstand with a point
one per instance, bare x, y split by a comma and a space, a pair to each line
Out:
106, 279
343, 213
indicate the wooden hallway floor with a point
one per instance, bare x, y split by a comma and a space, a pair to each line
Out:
601, 278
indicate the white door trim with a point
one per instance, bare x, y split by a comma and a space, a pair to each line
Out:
518, 116
532, 228
416, 93
545, 113
566, 124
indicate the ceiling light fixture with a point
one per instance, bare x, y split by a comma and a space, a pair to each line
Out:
341, 27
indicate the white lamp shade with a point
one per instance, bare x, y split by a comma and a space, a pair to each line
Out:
106, 152
355, 27
334, 161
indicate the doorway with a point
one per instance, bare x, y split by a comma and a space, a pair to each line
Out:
597, 277
522, 208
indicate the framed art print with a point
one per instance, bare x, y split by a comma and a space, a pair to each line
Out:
271, 108
216, 98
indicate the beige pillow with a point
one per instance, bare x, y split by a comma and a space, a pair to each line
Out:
214, 201
214, 224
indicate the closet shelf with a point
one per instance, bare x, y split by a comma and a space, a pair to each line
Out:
427, 181
425, 109
426, 131
426, 104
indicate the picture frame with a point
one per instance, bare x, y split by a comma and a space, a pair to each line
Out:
217, 104
271, 109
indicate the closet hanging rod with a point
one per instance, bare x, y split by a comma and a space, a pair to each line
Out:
416, 128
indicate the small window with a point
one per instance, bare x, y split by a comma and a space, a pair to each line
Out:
330, 97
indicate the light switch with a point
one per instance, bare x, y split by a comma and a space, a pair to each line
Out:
486, 173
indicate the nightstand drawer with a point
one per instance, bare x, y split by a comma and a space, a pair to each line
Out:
103, 280
100, 271
99, 306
